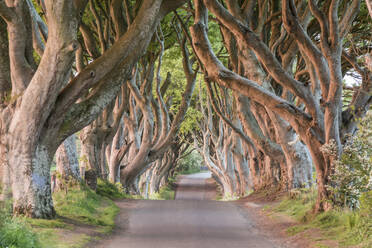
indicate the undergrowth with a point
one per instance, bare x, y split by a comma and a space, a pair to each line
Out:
165, 193
16, 232
78, 205
84, 205
110, 190
345, 226
113, 191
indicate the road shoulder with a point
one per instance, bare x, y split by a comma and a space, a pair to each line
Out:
277, 225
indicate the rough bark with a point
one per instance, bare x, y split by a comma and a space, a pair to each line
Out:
5, 88
117, 153
319, 122
5, 82
5, 183
67, 164
91, 155
29, 156
41, 99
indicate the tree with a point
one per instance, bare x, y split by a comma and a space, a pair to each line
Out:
155, 142
67, 165
43, 108
314, 106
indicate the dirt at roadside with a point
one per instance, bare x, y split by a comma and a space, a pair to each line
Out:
275, 225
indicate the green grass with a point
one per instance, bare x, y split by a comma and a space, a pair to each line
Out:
41, 223
298, 207
297, 229
110, 190
165, 193
49, 238
190, 171
16, 233
113, 191
322, 246
79, 205
345, 226
83, 205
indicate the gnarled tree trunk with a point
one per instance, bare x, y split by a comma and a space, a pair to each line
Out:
67, 164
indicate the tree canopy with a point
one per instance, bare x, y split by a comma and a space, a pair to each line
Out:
261, 89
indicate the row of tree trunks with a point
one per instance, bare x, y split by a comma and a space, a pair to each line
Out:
285, 100
47, 96
257, 120
153, 139
299, 114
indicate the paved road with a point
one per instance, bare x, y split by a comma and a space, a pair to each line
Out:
195, 187
190, 221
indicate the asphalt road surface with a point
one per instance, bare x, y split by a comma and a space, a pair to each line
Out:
192, 220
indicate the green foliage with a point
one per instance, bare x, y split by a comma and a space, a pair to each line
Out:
353, 172
15, 232
84, 205
363, 222
79, 204
190, 164
165, 193
299, 206
113, 191
172, 63
110, 190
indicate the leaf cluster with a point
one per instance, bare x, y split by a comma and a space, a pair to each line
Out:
353, 171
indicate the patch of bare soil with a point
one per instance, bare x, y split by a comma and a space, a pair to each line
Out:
122, 221
275, 225
79, 234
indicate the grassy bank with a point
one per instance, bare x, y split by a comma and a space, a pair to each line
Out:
85, 206
345, 227
15, 232
166, 192
81, 214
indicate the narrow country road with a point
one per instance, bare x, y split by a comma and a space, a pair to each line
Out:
192, 220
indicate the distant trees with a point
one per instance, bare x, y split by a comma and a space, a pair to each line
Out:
271, 100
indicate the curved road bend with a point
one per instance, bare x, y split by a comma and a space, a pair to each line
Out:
190, 221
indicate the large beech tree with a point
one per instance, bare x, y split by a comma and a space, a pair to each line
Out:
44, 105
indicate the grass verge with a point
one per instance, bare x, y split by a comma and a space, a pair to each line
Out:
15, 232
82, 215
348, 228
85, 206
165, 193
113, 191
